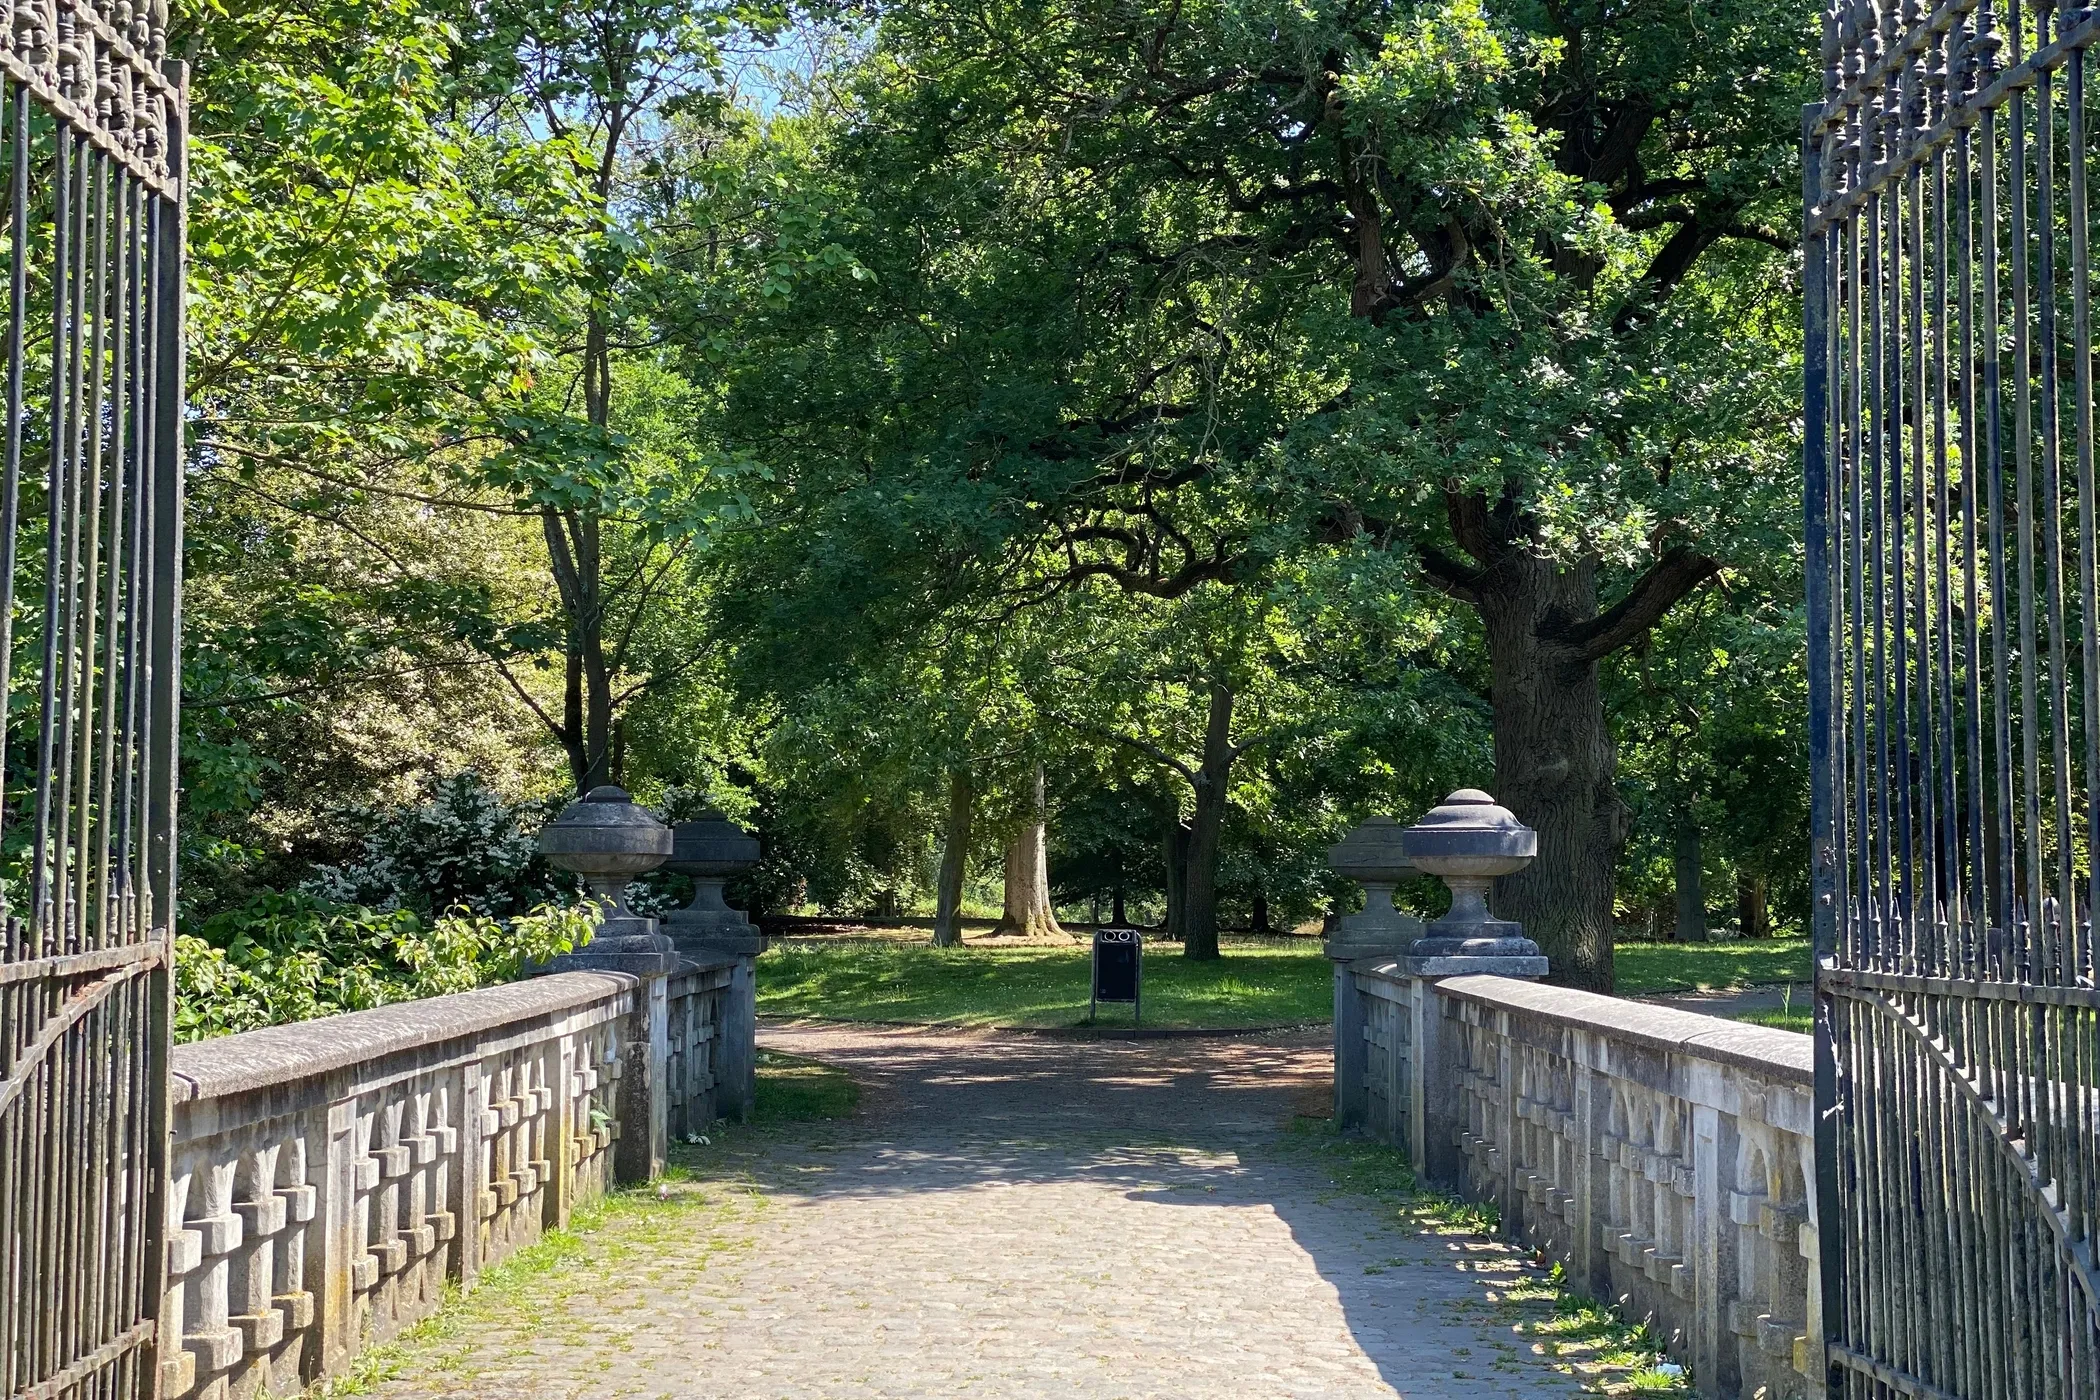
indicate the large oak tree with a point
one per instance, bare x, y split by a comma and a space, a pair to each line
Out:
1160, 295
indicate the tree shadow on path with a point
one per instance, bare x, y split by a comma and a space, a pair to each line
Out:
1314, 1289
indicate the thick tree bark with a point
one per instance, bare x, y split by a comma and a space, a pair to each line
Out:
1028, 911
1200, 931
955, 854
1753, 919
1691, 888
1555, 765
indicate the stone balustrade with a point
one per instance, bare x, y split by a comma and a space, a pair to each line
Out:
1665, 1159
328, 1178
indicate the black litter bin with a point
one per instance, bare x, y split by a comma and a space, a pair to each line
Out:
1119, 970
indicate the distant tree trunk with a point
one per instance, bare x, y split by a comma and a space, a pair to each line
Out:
1752, 916
955, 855
1028, 910
1261, 912
1199, 935
1176, 854
1116, 916
1691, 896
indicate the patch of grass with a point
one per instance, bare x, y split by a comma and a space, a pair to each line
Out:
1801, 1018
792, 1089
1267, 984
1647, 968
1578, 1336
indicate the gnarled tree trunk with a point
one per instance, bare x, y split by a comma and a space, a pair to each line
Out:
955, 855
1028, 911
1555, 767
1175, 852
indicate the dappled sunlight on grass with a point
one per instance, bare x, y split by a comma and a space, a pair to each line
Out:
1267, 985
1647, 968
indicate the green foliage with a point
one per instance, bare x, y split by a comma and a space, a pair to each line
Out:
282, 958
588, 389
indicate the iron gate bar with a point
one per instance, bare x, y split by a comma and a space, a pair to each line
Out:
1954, 655
90, 524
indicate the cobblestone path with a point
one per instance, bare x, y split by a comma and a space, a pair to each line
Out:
1017, 1217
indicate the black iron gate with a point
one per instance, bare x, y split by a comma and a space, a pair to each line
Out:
91, 140
1955, 673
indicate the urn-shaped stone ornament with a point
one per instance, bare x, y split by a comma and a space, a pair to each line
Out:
607, 839
1467, 841
710, 849
1372, 855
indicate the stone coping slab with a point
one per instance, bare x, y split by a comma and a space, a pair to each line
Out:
1787, 1056
276, 1054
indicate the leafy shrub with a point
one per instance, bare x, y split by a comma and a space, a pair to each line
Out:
292, 957
462, 847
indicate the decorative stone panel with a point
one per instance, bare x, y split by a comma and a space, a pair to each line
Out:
328, 1179
698, 1002
1666, 1159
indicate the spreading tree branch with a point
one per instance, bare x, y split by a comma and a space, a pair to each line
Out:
1667, 582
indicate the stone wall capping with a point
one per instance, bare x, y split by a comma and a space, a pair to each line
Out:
308, 1049
1783, 1054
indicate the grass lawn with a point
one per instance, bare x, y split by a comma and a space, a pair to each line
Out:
1266, 982
1801, 1018
1269, 983
1647, 968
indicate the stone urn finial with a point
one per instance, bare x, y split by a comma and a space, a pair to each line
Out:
710, 849
1467, 842
607, 839
1371, 855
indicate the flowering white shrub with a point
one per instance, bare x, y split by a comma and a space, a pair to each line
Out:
463, 847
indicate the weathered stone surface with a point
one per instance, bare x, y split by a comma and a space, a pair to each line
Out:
278, 1054
1763, 1048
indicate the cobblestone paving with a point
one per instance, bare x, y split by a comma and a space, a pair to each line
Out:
1021, 1217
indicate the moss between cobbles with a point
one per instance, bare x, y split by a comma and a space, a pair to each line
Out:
1581, 1338
528, 1294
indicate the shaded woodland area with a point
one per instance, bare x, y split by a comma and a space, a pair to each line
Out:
1079, 458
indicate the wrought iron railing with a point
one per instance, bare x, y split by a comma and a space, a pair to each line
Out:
1955, 672
91, 138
